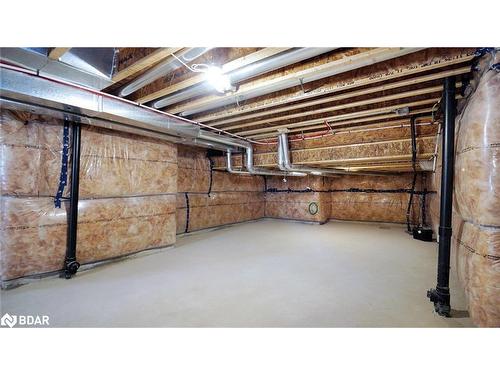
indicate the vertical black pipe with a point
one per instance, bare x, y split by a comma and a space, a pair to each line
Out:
413, 132
441, 295
70, 264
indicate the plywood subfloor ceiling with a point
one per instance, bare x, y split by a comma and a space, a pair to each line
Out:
345, 90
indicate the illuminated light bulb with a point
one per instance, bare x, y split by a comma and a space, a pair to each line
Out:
218, 79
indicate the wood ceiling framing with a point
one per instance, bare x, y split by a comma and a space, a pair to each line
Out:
361, 88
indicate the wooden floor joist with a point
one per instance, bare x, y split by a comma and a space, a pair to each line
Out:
397, 167
384, 142
226, 68
403, 122
336, 87
345, 116
306, 75
371, 120
352, 94
393, 166
402, 95
293, 128
145, 63
56, 53
338, 162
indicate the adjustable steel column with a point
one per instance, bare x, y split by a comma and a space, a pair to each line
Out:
70, 264
441, 295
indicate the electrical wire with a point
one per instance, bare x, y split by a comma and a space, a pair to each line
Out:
195, 67
349, 190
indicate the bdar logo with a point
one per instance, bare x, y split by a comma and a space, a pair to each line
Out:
24, 320
8, 320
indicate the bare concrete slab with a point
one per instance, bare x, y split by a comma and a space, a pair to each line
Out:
269, 273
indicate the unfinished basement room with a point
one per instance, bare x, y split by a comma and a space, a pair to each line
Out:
250, 187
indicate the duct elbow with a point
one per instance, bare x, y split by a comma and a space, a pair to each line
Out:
229, 165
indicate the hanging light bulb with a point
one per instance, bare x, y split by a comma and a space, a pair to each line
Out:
218, 79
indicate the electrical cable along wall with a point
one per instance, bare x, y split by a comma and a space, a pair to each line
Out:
291, 198
348, 197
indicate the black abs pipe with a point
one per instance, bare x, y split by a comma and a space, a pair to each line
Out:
441, 295
70, 264
414, 167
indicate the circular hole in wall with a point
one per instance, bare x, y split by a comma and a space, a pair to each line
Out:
313, 208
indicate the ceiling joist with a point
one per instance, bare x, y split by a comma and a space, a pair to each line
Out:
56, 53
199, 78
354, 124
345, 116
348, 95
253, 89
387, 98
145, 63
370, 120
339, 86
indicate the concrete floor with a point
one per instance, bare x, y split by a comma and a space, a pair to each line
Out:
268, 273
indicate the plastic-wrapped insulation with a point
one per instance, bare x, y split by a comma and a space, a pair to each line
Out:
476, 226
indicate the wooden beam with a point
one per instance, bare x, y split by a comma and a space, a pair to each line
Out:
251, 58
362, 144
344, 116
394, 124
389, 158
380, 99
293, 128
56, 53
310, 74
425, 156
144, 63
348, 122
392, 166
400, 166
339, 86
352, 94
199, 78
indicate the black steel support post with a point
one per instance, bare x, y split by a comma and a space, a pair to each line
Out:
441, 295
70, 264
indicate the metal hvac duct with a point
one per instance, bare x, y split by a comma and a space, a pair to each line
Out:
267, 65
285, 164
236, 143
163, 69
90, 67
382, 54
229, 165
24, 90
262, 171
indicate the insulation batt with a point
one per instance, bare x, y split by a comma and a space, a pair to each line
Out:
296, 205
127, 195
354, 206
378, 207
476, 228
214, 197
